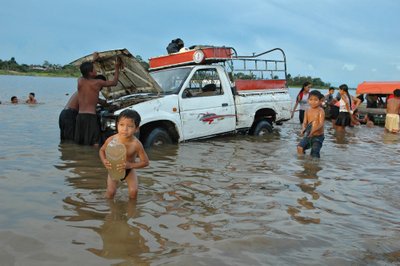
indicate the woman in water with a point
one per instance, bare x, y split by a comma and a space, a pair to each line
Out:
302, 100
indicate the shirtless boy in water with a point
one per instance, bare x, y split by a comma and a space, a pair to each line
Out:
128, 123
87, 129
313, 126
392, 112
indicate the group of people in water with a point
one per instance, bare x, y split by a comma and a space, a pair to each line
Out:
79, 123
31, 99
342, 110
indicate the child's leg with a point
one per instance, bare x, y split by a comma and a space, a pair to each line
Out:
111, 188
132, 181
300, 150
303, 146
340, 128
316, 146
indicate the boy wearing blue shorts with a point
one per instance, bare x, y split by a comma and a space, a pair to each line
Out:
313, 126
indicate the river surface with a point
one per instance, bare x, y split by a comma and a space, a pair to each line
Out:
235, 200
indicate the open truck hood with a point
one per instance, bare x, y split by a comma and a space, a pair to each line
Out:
133, 79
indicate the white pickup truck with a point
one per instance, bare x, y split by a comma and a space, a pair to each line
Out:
191, 95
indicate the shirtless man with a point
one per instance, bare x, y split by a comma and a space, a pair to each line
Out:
313, 126
392, 112
87, 129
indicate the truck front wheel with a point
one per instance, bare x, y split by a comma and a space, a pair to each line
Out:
157, 137
262, 128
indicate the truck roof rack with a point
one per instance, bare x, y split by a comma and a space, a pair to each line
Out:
199, 54
202, 54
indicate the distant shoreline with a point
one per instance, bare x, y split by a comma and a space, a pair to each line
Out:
37, 74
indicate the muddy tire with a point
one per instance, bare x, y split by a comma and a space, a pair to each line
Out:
262, 128
157, 137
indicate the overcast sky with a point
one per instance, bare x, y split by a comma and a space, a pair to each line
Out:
340, 41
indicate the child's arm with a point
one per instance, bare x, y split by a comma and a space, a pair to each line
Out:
356, 102
305, 123
143, 159
295, 106
102, 154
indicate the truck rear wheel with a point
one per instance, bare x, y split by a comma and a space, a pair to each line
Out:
157, 137
262, 128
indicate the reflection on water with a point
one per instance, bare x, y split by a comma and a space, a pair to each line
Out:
309, 183
235, 200
209, 200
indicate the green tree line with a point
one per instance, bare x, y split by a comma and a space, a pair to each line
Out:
12, 67
298, 81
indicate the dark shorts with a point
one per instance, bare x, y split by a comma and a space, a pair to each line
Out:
301, 116
334, 112
127, 171
343, 119
315, 143
87, 129
66, 122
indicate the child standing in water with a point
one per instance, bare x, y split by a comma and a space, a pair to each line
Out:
128, 123
344, 118
313, 126
301, 100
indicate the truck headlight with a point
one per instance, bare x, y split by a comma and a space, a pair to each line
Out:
107, 122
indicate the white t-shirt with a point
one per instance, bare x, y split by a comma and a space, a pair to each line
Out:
303, 103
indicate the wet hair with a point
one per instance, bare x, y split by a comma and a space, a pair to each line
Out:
13, 98
130, 114
396, 92
86, 68
32, 93
102, 77
316, 93
361, 97
346, 89
300, 95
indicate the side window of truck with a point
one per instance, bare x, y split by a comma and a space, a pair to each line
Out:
204, 82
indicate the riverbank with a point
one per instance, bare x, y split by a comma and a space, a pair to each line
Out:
40, 74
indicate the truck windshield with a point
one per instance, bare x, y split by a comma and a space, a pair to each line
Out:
171, 80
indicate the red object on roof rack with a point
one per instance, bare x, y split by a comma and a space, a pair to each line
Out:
198, 55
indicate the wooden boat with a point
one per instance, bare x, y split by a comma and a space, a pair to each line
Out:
381, 90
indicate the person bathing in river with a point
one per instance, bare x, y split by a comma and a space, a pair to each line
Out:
313, 126
87, 128
347, 104
301, 100
128, 123
31, 99
392, 112
67, 117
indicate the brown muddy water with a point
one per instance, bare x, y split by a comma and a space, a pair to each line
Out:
235, 200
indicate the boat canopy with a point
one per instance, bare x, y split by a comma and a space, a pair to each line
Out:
377, 87
133, 78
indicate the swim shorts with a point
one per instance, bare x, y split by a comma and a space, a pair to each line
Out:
87, 129
392, 122
315, 143
66, 122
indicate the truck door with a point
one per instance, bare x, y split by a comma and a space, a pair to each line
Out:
206, 105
